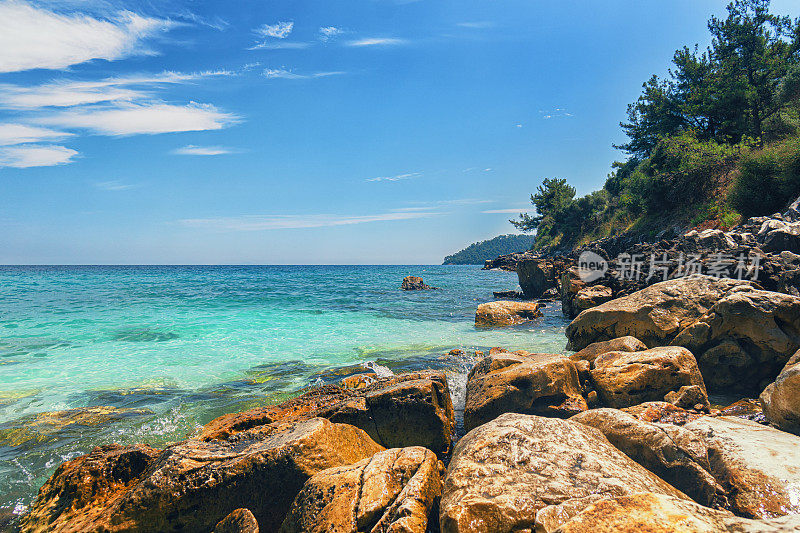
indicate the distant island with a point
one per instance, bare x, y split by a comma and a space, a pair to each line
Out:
477, 253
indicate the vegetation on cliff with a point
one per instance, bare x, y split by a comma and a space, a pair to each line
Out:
718, 140
477, 253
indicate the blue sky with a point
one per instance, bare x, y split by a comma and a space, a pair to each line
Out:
314, 131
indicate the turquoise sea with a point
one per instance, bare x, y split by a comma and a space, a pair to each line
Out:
179, 345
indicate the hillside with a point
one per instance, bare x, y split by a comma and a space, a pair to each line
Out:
477, 253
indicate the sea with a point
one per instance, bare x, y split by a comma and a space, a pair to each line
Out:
92, 355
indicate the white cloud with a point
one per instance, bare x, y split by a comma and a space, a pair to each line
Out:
11, 134
114, 185
556, 113
326, 33
276, 222
281, 30
280, 45
191, 149
514, 210
33, 37
281, 73
477, 25
68, 93
399, 177
32, 155
377, 41
152, 118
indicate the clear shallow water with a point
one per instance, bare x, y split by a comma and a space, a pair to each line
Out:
185, 344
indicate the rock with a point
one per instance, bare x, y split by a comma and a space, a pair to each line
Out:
415, 283
622, 344
689, 397
657, 513
359, 381
504, 472
661, 412
781, 399
758, 466
534, 384
746, 408
394, 490
673, 453
782, 238
505, 313
412, 409
239, 521
516, 295
192, 485
712, 239
532, 279
743, 341
623, 379
654, 315
592, 296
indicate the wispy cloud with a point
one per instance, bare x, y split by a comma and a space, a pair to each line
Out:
326, 33
477, 25
277, 222
399, 177
280, 45
280, 30
114, 185
377, 41
506, 211
555, 113
11, 134
68, 93
281, 73
31, 155
191, 149
34, 37
151, 118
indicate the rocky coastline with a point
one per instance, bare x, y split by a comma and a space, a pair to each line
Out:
624, 434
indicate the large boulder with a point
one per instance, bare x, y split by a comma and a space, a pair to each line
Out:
657, 513
412, 409
623, 379
784, 237
506, 471
743, 341
532, 278
596, 349
654, 315
534, 384
192, 485
505, 313
781, 400
394, 490
675, 454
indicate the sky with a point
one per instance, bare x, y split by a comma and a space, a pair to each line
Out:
309, 131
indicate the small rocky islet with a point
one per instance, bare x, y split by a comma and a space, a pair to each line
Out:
621, 435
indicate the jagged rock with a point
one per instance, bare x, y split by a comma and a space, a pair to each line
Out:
239, 521
654, 315
394, 490
622, 344
746, 408
785, 237
589, 297
516, 295
743, 341
623, 379
504, 472
758, 466
359, 381
661, 412
413, 409
415, 283
532, 279
536, 384
675, 454
689, 397
657, 513
192, 485
713, 239
781, 399
505, 313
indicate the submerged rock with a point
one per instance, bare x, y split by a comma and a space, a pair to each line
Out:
413, 409
623, 379
503, 473
192, 485
781, 400
505, 313
394, 490
534, 384
415, 283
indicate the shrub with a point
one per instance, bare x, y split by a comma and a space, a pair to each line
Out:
768, 180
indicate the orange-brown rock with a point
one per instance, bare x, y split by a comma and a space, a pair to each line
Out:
505, 313
506, 471
623, 379
413, 409
394, 490
192, 485
359, 381
781, 399
239, 521
657, 513
596, 349
662, 412
534, 384
592, 296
